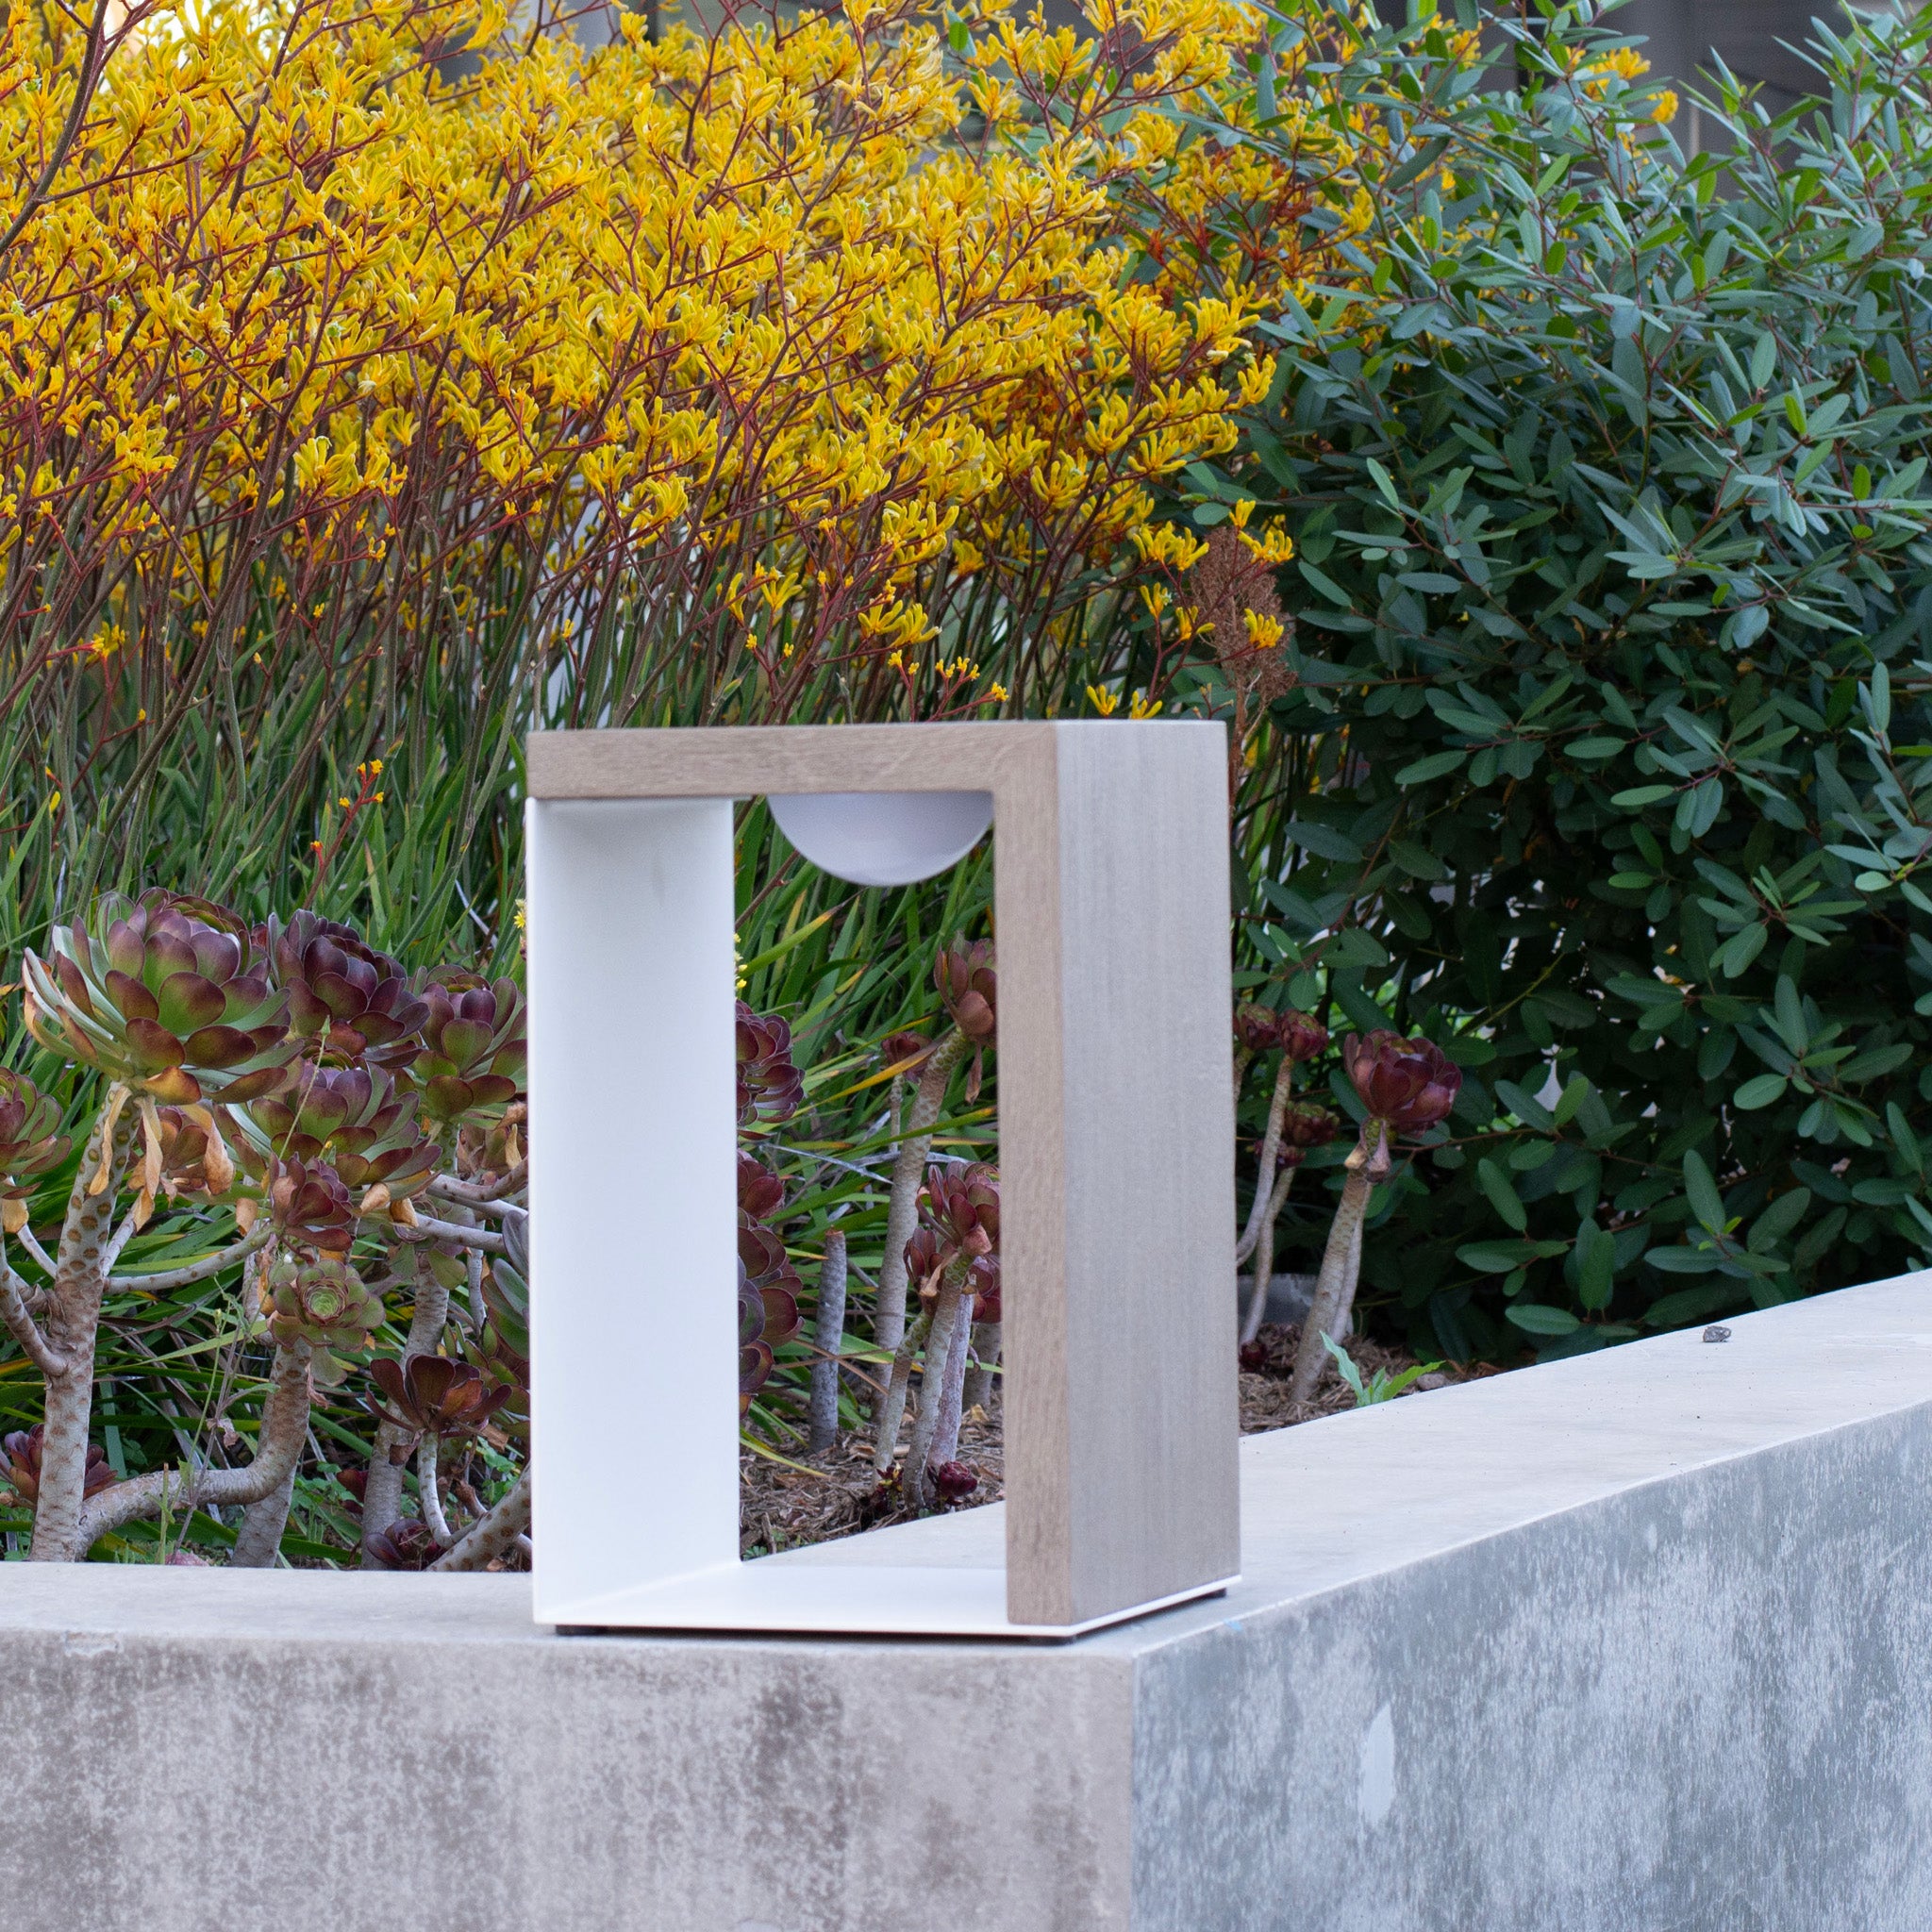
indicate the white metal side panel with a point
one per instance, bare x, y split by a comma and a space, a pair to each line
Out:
633, 1194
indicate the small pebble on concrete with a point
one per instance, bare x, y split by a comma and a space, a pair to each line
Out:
1717, 1332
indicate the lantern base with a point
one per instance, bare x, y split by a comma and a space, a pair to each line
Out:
790, 1592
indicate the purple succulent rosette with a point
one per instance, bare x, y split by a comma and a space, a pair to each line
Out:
169, 996
345, 999
1409, 1085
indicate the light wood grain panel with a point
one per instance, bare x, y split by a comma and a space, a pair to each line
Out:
1033, 1209
1144, 1172
712, 762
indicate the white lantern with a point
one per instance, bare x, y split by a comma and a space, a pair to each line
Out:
1117, 1189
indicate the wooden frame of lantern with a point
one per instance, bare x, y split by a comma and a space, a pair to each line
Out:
1117, 1209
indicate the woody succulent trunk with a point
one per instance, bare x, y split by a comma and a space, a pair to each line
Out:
356, 1132
1291, 1131
1405, 1087
953, 1260
968, 985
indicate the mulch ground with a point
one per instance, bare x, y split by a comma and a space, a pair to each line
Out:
814, 1499
838, 1493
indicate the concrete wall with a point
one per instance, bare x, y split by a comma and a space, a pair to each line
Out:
1639, 1641
1693, 1708
1761, 42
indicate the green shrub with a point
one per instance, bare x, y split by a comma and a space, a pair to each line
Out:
1608, 759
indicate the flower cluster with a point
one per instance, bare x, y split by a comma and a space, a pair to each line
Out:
300, 317
958, 1230
290, 1072
1406, 1085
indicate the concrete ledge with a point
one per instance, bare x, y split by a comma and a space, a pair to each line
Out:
1640, 1641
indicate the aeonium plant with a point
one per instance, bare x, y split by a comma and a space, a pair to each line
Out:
951, 1259
1257, 1032
770, 1089
1405, 1087
358, 1128
967, 981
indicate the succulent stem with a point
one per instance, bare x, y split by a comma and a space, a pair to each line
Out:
130, 1225
945, 1441
472, 1288
284, 1427
42, 1260
893, 1407
1271, 1154
259, 1540
428, 1481
463, 1216
22, 1325
473, 1195
426, 1228
823, 1416
1264, 1255
908, 1173
73, 1315
258, 1237
1341, 1263
495, 1535
977, 1392
947, 1315
382, 1494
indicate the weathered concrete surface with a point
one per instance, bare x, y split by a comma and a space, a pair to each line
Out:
1638, 1643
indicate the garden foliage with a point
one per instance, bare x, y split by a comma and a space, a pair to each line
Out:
381, 383
354, 412
1548, 518
1607, 756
